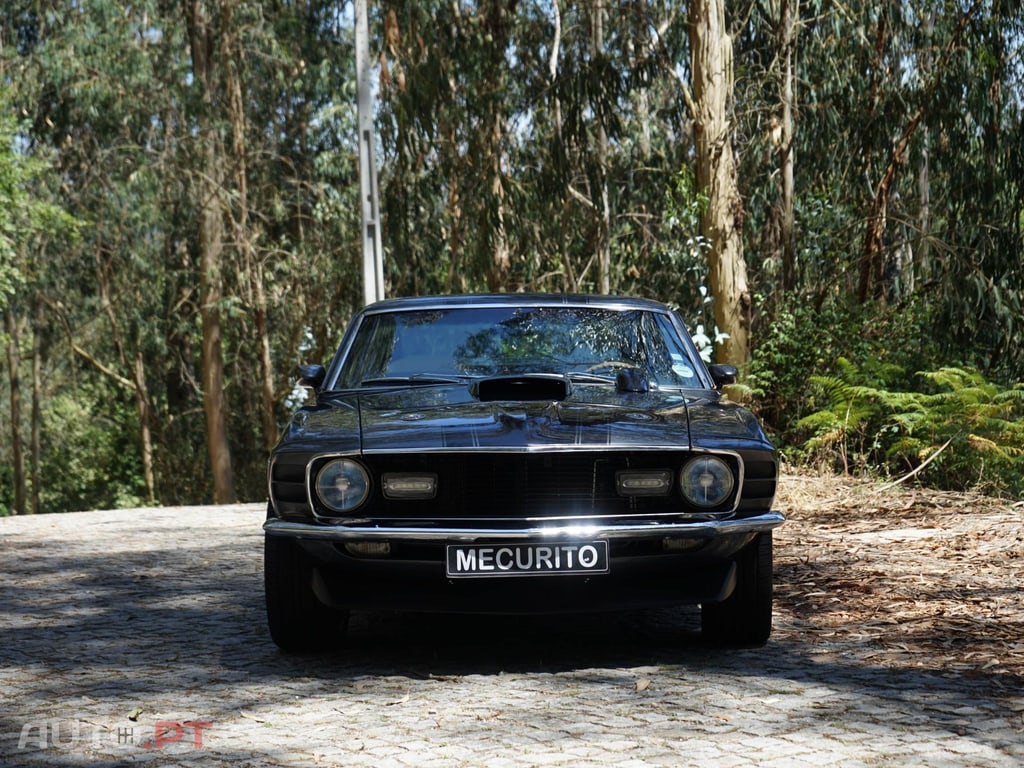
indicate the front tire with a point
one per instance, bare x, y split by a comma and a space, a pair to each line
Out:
297, 620
745, 617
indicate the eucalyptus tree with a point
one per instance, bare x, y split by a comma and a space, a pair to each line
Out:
267, 144
975, 130
112, 93
711, 53
569, 64
84, 75
906, 195
910, 134
543, 140
446, 104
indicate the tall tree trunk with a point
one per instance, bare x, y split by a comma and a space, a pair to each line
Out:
722, 218
920, 268
265, 360
144, 406
37, 400
231, 57
496, 19
211, 247
789, 15
203, 41
600, 196
14, 377
872, 258
137, 384
570, 283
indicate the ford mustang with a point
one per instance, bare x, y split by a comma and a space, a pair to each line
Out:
519, 453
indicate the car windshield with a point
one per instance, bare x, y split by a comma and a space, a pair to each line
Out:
430, 346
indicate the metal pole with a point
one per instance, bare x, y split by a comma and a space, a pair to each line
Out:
373, 256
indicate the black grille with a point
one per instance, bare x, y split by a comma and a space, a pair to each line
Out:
517, 485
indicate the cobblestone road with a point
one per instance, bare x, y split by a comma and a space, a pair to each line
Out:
137, 637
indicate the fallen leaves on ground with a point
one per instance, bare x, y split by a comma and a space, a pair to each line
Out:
902, 577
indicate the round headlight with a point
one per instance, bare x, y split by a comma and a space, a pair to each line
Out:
706, 481
342, 485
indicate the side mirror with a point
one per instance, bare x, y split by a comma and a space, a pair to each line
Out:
632, 380
723, 375
311, 376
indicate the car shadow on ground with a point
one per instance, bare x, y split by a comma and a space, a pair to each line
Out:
448, 644
127, 625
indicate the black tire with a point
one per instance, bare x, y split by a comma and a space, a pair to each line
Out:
297, 620
745, 617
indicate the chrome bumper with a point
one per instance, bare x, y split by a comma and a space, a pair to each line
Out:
697, 529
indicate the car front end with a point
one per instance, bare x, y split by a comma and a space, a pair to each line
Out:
531, 488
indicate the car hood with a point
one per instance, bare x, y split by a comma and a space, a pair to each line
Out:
592, 417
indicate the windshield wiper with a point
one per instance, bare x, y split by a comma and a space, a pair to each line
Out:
418, 378
621, 381
590, 378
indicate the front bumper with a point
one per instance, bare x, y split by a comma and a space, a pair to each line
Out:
644, 570
702, 529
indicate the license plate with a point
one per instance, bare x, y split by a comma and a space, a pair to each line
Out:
483, 560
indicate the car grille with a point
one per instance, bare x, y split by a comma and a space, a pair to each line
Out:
516, 485
513, 486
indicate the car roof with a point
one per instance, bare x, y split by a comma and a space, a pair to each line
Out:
515, 300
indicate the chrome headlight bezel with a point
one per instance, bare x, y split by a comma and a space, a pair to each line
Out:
708, 481
341, 485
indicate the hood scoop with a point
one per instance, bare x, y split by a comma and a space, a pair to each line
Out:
527, 388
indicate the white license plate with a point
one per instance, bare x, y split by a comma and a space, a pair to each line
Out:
482, 560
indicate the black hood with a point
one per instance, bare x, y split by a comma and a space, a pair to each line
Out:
592, 417
450, 417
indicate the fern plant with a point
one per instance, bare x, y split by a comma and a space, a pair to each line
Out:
960, 431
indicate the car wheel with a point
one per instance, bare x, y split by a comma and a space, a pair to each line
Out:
297, 620
745, 617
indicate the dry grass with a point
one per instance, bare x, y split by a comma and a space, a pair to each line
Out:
902, 577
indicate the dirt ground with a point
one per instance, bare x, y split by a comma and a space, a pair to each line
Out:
902, 577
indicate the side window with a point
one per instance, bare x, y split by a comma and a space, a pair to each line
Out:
371, 350
681, 370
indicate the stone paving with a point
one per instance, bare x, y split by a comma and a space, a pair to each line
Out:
138, 637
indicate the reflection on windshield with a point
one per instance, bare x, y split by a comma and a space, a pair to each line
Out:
493, 341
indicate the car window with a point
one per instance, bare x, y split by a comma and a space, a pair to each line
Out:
489, 341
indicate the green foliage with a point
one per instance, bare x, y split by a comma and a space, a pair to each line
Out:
490, 117
801, 341
25, 212
956, 431
11, 195
679, 263
88, 461
6, 489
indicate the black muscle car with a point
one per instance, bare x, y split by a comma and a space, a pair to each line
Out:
519, 453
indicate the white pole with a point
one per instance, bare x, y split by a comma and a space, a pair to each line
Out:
373, 256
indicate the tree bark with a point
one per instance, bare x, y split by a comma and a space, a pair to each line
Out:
872, 258
14, 378
231, 56
920, 269
145, 410
37, 400
211, 293
496, 20
211, 254
602, 244
722, 218
137, 384
789, 13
